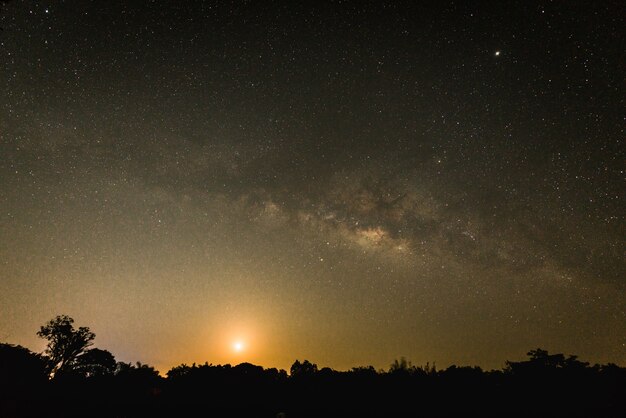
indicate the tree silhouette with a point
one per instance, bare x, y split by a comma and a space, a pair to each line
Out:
544, 385
20, 367
401, 366
306, 368
65, 343
96, 362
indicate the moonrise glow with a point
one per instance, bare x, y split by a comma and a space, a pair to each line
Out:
344, 182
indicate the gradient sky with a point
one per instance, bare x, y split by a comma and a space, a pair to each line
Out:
346, 182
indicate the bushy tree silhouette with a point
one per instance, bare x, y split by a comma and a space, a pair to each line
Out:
23, 381
91, 383
95, 362
65, 343
400, 365
304, 369
20, 367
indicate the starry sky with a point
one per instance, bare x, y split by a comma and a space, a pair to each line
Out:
346, 182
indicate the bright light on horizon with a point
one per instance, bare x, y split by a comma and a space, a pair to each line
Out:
238, 346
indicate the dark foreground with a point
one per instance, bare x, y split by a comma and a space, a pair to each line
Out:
544, 386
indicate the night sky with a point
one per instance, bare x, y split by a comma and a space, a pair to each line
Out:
346, 182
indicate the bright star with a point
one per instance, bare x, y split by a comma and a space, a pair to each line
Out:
497, 54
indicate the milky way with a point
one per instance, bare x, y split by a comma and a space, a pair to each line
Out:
343, 182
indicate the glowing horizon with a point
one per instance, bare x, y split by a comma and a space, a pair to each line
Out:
348, 184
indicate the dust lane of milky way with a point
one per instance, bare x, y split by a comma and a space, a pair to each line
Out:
343, 182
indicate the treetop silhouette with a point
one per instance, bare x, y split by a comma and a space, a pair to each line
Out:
68, 350
72, 379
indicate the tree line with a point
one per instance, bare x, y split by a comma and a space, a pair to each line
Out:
72, 379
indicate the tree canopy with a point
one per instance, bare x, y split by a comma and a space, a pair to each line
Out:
88, 381
65, 343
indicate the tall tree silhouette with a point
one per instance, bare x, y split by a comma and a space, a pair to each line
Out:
65, 343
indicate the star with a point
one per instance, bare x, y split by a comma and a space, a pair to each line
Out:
255, 170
